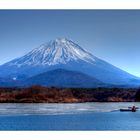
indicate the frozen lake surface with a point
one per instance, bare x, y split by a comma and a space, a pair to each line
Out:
81, 116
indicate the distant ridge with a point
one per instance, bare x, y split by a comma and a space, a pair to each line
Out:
64, 78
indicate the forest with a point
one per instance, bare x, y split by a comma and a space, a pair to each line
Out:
40, 94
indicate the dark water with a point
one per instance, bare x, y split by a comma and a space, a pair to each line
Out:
84, 116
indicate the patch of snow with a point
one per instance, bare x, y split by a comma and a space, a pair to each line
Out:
14, 78
58, 51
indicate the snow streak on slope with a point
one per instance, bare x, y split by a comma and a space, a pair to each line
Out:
58, 51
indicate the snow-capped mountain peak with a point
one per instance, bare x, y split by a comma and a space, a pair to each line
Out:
64, 54
58, 51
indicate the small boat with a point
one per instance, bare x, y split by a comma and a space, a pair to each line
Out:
128, 110
131, 109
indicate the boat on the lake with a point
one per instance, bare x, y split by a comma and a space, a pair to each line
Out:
131, 109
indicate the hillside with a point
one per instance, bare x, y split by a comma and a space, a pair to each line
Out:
64, 78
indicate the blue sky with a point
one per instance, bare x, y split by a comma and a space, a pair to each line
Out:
113, 36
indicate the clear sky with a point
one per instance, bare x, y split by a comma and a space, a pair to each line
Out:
113, 36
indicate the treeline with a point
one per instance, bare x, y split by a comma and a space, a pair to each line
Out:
38, 94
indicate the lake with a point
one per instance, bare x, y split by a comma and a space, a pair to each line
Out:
80, 116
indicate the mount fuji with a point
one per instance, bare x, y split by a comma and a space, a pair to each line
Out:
63, 53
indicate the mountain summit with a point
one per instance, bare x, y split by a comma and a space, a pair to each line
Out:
64, 54
58, 51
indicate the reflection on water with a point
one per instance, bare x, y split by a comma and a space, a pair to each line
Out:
56, 109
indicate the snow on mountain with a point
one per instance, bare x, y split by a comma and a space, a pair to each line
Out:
62, 53
59, 51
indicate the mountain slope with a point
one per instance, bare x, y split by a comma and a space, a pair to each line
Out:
63, 78
65, 54
6, 82
59, 51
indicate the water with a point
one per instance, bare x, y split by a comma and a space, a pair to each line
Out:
82, 116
